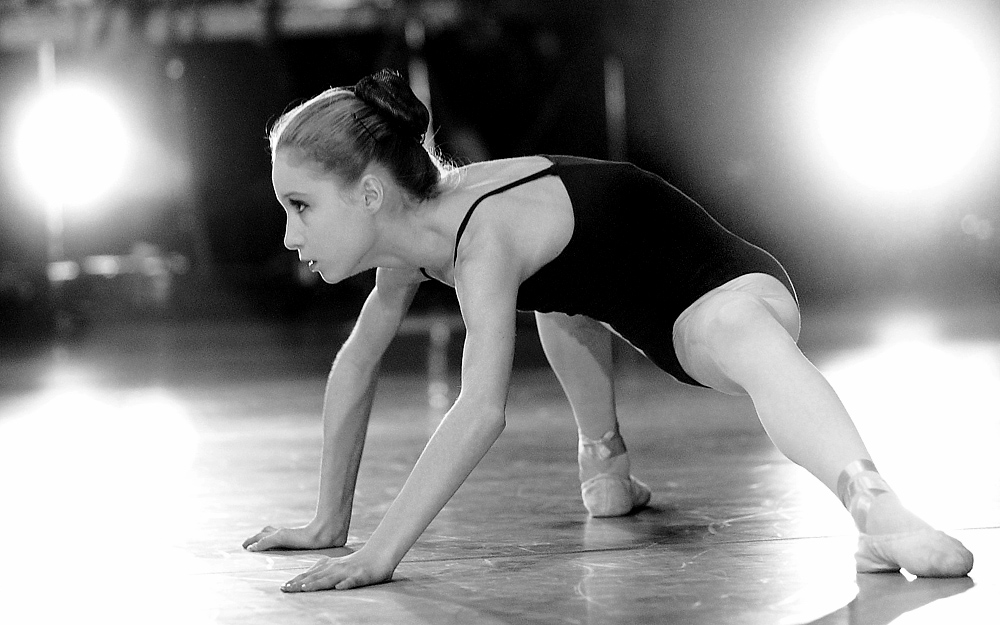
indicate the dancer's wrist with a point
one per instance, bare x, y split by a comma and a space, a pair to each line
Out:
330, 529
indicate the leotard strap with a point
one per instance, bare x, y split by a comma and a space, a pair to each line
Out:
548, 171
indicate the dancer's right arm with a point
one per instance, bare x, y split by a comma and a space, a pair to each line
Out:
347, 404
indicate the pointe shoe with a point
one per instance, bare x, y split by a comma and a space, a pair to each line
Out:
924, 553
607, 495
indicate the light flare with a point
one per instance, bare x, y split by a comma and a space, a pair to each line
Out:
72, 145
904, 104
927, 408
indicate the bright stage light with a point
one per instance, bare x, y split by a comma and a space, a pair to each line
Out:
904, 104
72, 145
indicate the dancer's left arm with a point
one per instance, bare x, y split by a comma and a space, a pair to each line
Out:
487, 292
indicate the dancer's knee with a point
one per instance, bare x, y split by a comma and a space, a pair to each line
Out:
730, 318
745, 300
726, 334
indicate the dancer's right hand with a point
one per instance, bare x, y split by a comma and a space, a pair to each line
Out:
307, 537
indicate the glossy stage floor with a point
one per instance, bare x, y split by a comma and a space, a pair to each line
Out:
135, 461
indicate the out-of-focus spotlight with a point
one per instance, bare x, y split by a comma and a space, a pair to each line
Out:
72, 145
904, 103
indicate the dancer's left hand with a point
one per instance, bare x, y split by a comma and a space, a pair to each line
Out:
360, 568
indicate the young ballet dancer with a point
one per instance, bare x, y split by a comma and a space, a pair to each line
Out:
593, 248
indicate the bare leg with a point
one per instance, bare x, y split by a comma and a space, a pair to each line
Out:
579, 350
740, 339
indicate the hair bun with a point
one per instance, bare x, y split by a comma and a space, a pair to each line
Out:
388, 93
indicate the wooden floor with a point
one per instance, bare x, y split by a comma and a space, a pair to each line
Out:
135, 462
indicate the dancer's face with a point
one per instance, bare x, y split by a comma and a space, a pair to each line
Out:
326, 222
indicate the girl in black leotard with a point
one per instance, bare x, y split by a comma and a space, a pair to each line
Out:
593, 248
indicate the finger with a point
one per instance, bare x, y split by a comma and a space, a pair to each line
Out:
295, 584
303, 583
270, 541
322, 576
316, 571
292, 585
325, 581
264, 532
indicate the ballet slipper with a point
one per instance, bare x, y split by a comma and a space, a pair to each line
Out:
924, 553
920, 549
607, 495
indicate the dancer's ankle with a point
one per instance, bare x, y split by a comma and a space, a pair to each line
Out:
607, 454
858, 486
875, 507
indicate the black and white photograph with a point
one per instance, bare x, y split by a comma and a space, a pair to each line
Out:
489, 312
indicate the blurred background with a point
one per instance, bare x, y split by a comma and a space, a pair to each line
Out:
857, 141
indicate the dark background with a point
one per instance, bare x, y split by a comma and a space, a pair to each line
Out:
716, 100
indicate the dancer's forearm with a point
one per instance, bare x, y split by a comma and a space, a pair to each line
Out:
347, 403
458, 445
345, 422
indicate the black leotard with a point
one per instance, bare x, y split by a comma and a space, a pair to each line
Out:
641, 252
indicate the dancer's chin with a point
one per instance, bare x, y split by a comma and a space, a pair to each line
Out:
333, 277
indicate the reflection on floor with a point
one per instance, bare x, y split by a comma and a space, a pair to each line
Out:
130, 475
